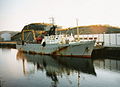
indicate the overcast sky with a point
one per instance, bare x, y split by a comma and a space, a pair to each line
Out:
15, 14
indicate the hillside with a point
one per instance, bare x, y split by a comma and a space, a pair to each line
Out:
92, 29
39, 27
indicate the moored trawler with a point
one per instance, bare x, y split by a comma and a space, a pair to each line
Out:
59, 45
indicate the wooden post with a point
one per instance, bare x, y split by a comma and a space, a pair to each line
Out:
22, 36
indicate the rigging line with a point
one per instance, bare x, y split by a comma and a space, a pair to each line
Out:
27, 36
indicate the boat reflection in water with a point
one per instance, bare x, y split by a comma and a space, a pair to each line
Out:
57, 66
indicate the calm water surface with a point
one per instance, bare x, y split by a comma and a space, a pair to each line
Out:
19, 69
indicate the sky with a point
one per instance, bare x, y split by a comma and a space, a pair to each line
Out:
15, 14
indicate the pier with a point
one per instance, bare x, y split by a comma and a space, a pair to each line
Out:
108, 52
109, 40
107, 45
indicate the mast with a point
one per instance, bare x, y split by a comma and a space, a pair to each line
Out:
53, 22
78, 78
77, 29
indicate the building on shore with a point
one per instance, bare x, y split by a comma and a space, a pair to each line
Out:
6, 37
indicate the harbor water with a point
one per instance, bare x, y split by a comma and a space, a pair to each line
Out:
19, 69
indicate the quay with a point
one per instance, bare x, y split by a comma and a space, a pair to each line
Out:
8, 44
108, 52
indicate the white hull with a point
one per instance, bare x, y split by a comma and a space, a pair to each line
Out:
77, 49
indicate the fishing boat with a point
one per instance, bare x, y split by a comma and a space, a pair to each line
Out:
58, 45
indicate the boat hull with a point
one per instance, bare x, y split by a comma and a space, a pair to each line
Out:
79, 49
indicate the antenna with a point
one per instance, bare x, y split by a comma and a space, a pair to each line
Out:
52, 20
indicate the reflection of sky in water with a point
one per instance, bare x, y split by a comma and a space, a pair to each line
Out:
12, 73
104, 78
8, 64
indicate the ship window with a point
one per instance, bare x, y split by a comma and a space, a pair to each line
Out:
85, 38
90, 38
95, 38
